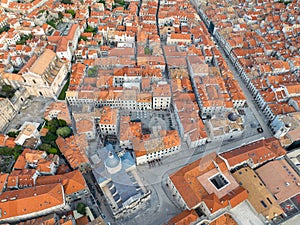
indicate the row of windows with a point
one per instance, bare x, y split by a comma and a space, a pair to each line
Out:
264, 204
162, 102
107, 125
110, 129
161, 153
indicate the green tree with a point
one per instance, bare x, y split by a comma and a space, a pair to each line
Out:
62, 94
45, 147
147, 51
6, 151
66, 2
7, 91
71, 11
48, 148
16, 151
4, 29
90, 29
49, 138
82, 38
64, 131
52, 129
51, 23
62, 123
13, 134
81, 208
52, 125
53, 151
7, 88
60, 15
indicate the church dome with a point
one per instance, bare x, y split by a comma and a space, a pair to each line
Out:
233, 116
113, 163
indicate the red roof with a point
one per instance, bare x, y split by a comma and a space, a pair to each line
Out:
257, 152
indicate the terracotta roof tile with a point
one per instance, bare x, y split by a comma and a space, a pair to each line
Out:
73, 148
72, 181
255, 153
224, 219
183, 218
193, 185
3, 180
15, 203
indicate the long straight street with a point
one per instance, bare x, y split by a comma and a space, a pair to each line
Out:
163, 207
250, 101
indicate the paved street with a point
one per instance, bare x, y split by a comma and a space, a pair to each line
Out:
162, 207
250, 101
155, 178
33, 112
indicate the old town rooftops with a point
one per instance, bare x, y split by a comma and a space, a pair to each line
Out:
15, 203
280, 178
185, 217
194, 183
41, 64
72, 182
256, 153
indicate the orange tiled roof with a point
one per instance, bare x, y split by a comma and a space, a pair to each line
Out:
7, 141
224, 219
192, 184
108, 116
82, 221
183, 218
258, 152
144, 145
72, 181
21, 178
58, 109
15, 203
129, 130
73, 148
3, 180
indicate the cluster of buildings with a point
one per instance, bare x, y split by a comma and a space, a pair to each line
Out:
138, 74
258, 173
147, 77
119, 181
42, 180
261, 40
52, 184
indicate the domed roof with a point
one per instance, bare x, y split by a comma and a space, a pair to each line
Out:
112, 161
232, 116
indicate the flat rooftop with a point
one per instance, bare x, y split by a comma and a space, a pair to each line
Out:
280, 178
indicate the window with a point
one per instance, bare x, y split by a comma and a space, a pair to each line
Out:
263, 203
269, 200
